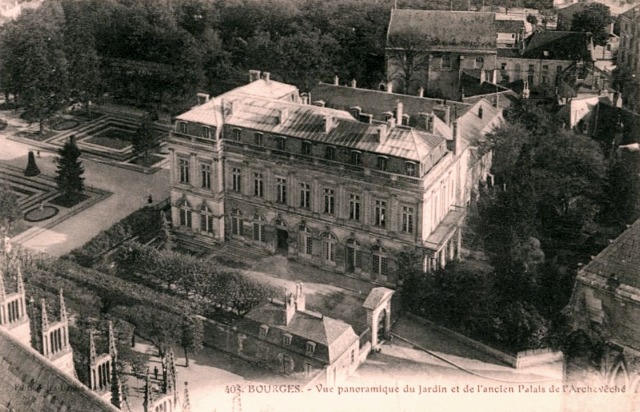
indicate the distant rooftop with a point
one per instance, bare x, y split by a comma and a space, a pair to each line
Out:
441, 29
558, 45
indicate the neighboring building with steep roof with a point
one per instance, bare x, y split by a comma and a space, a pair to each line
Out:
543, 57
606, 303
439, 45
312, 182
629, 56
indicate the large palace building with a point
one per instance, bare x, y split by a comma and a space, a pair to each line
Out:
341, 189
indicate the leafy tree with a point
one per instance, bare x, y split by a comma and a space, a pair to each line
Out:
407, 58
519, 326
116, 393
9, 209
192, 336
532, 19
69, 172
596, 19
624, 187
143, 140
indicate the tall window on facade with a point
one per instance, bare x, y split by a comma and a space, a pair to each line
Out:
258, 185
182, 127
206, 132
356, 158
446, 62
183, 167
516, 72
205, 176
411, 168
407, 219
330, 153
354, 207
329, 201
306, 241
329, 247
185, 214
380, 213
236, 182
531, 73
380, 263
258, 229
305, 196
281, 143
235, 135
236, 223
382, 163
206, 219
311, 348
353, 256
306, 148
281, 190
479, 62
258, 139
558, 74
545, 74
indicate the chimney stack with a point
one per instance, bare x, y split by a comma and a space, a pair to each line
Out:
454, 144
399, 112
266, 76
289, 308
283, 116
421, 92
328, 123
353, 83
336, 81
300, 298
254, 75
389, 87
381, 132
305, 97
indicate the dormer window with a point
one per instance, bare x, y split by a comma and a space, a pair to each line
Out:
258, 139
405, 120
206, 132
356, 157
386, 116
410, 169
310, 348
280, 143
330, 153
382, 163
181, 127
286, 339
264, 331
236, 135
479, 62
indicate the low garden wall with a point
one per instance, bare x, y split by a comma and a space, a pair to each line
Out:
522, 359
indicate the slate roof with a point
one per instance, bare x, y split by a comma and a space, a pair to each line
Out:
29, 382
509, 26
620, 259
334, 334
558, 45
443, 29
308, 122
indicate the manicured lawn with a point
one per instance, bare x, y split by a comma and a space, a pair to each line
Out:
112, 140
65, 124
37, 214
37, 136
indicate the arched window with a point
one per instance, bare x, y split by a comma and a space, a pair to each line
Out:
353, 258
380, 263
206, 219
329, 247
236, 222
185, 214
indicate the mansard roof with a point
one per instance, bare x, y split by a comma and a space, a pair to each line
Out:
309, 122
621, 259
336, 335
558, 45
447, 30
30, 382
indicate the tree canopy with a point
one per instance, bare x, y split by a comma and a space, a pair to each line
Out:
595, 18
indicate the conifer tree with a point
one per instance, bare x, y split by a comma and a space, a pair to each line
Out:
69, 179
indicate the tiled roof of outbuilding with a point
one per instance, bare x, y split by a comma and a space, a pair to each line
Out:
335, 334
443, 29
29, 382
